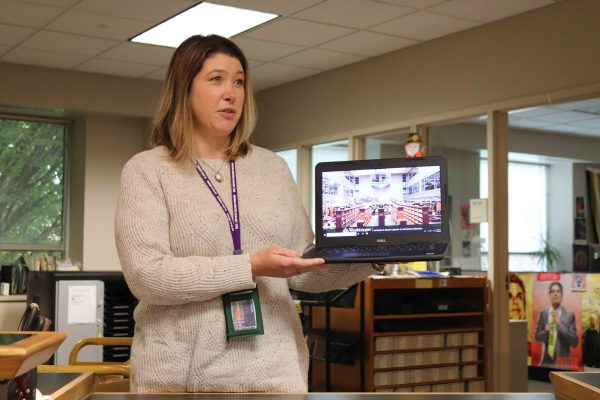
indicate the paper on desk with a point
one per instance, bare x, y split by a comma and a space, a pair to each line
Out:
82, 304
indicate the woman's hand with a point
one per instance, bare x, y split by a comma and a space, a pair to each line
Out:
279, 262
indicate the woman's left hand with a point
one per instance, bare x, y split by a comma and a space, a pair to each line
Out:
279, 262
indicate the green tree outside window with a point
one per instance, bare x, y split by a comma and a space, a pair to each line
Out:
32, 166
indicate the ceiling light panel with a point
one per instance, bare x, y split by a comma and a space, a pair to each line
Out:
203, 19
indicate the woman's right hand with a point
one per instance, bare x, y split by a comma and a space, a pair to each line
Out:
279, 262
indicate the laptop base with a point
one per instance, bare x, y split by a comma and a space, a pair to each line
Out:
388, 254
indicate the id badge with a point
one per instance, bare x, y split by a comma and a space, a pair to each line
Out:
243, 314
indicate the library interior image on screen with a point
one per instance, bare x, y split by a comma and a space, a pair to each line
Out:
360, 202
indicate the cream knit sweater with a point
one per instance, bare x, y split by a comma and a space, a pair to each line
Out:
175, 248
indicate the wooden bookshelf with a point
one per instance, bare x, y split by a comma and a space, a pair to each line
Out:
419, 335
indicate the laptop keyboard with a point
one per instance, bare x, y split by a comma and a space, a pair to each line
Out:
407, 247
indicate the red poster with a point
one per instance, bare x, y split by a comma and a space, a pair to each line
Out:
548, 276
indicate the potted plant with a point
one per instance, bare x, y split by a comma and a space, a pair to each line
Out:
548, 254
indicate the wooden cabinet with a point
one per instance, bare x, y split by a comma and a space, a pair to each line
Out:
418, 335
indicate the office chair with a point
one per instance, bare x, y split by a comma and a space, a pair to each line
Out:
33, 321
110, 376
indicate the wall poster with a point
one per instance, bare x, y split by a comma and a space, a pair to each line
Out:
562, 312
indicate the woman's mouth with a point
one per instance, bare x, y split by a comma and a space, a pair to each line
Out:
227, 113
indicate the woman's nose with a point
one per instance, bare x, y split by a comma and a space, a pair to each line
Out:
229, 93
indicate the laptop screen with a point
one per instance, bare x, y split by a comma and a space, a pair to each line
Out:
389, 200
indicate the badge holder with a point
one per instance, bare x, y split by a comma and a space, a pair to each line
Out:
243, 314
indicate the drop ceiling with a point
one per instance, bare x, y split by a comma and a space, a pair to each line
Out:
580, 118
310, 37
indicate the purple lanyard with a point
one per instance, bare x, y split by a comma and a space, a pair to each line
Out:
234, 223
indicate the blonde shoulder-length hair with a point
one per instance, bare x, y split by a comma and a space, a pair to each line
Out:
173, 123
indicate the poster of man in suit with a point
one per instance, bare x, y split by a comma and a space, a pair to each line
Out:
557, 337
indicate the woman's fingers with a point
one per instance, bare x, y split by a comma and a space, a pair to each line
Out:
281, 262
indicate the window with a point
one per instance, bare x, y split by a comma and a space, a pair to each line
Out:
527, 212
291, 158
32, 188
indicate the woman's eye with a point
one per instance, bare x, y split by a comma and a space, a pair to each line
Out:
216, 79
239, 82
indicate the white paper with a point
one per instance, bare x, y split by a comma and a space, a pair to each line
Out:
81, 308
477, 211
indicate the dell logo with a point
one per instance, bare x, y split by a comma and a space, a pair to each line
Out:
380, 240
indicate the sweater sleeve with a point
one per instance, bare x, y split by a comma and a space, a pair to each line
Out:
152, 272
333, 277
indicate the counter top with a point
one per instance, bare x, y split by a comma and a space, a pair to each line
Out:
324, 396
13, 298
576, 385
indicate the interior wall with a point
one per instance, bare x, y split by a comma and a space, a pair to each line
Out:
76, 185
77, 92
463, 184
110, 142
534, 53
392, 150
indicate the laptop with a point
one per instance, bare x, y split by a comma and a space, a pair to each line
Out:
389, 210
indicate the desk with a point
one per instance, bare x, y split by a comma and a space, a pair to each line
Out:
325, 396
576, 385
65, 386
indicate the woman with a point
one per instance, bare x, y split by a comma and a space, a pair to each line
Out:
203, 217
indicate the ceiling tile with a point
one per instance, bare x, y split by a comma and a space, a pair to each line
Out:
67, 43
566, 116
588, 105
487, 10
320, 59
53, 3
273, 6
418, 4
254, 63
43, 58
527, 123
4, 49
592, 123
12, 35
356, 13
144, 10
273, 74
101, 26
26, 14
112, 67
368, 44
267, 51
296, 32
140, 53
532, 112
423, 25
158, 75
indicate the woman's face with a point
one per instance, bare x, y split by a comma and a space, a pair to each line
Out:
217, 96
